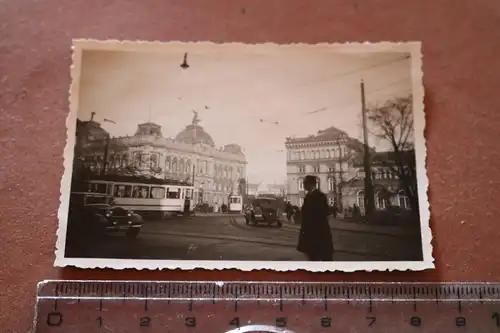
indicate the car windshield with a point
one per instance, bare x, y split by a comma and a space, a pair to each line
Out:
264, 203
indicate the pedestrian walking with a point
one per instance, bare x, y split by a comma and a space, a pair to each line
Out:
315, 238
289, 211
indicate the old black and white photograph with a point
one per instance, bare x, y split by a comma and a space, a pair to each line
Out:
247, 156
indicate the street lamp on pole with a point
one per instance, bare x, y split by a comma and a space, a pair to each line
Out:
106, 147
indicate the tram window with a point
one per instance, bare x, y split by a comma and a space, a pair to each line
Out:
157, 192
140, 192
122, 191
235, 200
173, 193
97, 188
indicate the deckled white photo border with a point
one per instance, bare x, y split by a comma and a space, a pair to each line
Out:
420, 147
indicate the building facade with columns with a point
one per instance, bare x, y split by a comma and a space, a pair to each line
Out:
327, 155
190, 156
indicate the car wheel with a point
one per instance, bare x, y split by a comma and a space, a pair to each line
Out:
132, 233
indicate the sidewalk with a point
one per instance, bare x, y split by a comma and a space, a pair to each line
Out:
337, 224
216, 214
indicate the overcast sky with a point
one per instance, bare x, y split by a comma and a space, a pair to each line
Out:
240, 87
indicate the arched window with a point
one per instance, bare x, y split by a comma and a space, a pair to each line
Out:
339, 152
302, 155
118, 161
154, 161
403, 200
167, 163
301, 184
379, 200
188, 166
137, 159
174, 164
124, 160
316, 154
331, 184
361, 200
181, 165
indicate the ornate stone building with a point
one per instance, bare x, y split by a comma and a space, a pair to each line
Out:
326, 155
191, 156
337, 161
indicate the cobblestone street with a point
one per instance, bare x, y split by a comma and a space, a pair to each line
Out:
219, 237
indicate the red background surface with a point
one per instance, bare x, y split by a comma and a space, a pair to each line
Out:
461, 45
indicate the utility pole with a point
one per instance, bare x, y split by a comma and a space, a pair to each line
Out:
106, 153
106, 146
369, 195
341, 176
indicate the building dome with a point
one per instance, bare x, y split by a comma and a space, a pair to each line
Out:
148, 129
233, 149
195, 134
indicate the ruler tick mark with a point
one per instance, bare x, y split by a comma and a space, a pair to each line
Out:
236, 302
414, 299
459, 301
370, 308
326, 298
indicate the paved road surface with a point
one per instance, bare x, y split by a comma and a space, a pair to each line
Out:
229, 238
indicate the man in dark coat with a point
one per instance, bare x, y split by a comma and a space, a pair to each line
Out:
315, 239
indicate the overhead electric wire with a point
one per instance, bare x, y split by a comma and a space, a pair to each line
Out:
332, 78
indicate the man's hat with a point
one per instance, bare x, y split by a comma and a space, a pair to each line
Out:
310, 179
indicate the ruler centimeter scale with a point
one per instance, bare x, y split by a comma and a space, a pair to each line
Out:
291, 307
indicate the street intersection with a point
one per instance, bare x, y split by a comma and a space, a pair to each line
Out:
227, 237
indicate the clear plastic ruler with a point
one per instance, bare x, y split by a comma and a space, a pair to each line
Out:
220, 307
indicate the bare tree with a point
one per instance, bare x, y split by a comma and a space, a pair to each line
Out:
393, 122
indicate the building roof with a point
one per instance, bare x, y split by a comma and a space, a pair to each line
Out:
90, 127
233, 149
195, 134
329, 134
379, 158
149, 128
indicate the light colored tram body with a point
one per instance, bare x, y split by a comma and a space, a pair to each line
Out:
235, 204
145, 197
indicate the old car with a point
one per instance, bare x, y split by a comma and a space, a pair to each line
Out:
263, 210
96, 214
